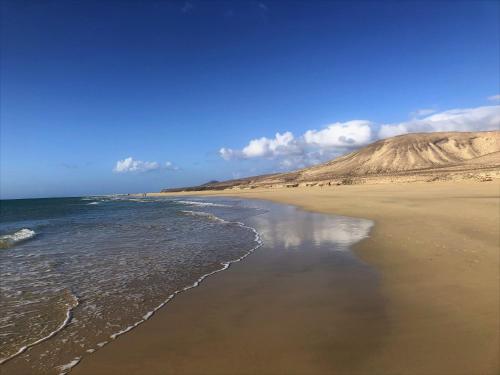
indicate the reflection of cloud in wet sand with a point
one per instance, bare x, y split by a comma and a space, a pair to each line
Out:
289, 227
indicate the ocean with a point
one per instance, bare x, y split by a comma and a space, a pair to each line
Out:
79, 272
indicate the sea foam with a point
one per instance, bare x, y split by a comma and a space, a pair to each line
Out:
72, 303
203, 204
205, 215
9, 240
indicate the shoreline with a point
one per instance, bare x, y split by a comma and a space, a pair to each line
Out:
269, 313
66, 368
224, 266
435, 246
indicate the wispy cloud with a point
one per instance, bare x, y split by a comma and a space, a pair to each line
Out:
315, 146
131, 165
170, 166
423, 112
262, 6
69, 165
187, 7
494, 98
468, 119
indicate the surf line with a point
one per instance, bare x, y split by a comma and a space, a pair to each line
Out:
67, 319
225, 265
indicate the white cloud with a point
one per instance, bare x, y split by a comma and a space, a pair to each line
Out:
227, 153
281, 144
315, 146
347, 134
469, 119
170, 166
312, 147
131, 165
494, 98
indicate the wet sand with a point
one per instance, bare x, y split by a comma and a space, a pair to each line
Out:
436, 247
284, 309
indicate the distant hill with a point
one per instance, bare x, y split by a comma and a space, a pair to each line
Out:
412, 152
435, 155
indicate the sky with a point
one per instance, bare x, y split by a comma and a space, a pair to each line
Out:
100, 97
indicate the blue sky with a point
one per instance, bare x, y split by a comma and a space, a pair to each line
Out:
96, 97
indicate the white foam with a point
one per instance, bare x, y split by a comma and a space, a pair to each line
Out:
224, 266
68, 366
67, 320
92, 203
24, 234
64, 369
206, 215
203, 204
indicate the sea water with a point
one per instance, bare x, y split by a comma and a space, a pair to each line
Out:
76, 273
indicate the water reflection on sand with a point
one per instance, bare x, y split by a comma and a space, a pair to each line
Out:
290, 227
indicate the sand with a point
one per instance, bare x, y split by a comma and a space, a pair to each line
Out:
436, 247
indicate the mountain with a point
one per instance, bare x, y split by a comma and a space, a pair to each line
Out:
412, 152
427, 156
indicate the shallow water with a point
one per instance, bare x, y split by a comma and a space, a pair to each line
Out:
99, 266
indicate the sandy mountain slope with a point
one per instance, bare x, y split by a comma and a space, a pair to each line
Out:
435, 155
414, 152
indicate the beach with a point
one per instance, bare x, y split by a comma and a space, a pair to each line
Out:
434, 309
251, 187
155, 251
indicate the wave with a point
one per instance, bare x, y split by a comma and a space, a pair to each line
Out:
203, 204
68, 366
92, 203
74, 302
94, 197
205, 215
224, 266
9, 240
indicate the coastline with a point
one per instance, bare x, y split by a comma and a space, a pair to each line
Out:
267, 314
439, 280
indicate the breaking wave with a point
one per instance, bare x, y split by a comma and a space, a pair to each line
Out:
9, 240
203, 204
204, 215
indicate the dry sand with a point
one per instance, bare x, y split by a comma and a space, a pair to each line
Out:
436, 246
